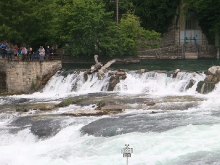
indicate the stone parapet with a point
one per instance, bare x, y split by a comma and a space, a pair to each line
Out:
26, 77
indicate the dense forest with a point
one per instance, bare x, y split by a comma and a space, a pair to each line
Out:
88, 27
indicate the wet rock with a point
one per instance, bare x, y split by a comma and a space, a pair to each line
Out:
212, 78
150, 103
78, 113
42, 107
85, 76
205, 87
115, 79
120, 73
100, 105
104, 110
214, 70
22, 109
43, 127
112, 109
69, 101
190, 84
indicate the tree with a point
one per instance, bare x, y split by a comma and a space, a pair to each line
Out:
123, 7
88, 29
133, 36
83, 24
26, 21
156, 14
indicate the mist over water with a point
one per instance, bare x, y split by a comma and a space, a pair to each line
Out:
181, 128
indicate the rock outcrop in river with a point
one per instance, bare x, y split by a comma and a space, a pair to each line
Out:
212, 78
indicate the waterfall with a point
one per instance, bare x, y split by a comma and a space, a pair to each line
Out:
149, 82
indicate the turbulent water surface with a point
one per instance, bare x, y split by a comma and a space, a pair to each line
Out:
182, 128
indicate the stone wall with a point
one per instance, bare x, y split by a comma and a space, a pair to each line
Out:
179, 52
26, 77
2, 82
171, 52
3, 87
207, 51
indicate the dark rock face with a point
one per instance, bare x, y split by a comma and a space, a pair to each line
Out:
122, 124
115, 79
190, 84
212, 78
205, 87
45, 128
42, 127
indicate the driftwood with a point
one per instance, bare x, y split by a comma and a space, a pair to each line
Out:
102, 70
99, 67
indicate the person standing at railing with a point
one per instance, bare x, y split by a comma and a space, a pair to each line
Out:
41, 53
15, 51
24, 53
9, 52
48, 52
30, 52
37, 56
4, 52
32, 56
19, 54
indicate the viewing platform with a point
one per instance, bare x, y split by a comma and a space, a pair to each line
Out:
26, 76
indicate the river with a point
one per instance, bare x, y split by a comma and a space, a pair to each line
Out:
182, 128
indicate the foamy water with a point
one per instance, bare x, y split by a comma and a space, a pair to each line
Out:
190, 136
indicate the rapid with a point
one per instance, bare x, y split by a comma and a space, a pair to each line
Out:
181, 128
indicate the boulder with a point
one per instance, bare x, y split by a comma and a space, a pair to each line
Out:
150, 103
205, 87
212, 78
214, 70
115, 79
190, 84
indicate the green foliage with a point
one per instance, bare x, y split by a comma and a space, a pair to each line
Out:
123, 7
84, 27
134, 36
208, 15
88, 29
26, 21
82, 23
156, 14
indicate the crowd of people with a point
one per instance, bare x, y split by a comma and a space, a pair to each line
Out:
26, 53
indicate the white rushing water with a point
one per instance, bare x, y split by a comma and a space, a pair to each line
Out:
189, 137
134, 83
